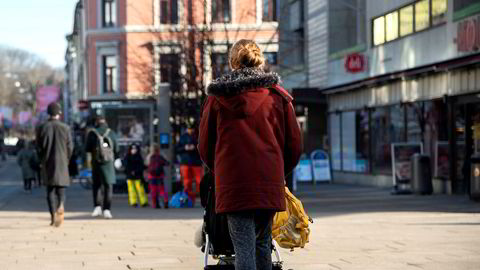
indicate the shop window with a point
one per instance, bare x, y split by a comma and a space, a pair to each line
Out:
221, 12
355, 142
460, 147
415, 122
388, 127
391, 20
439, 11
269, 10
348, 141
219, 64
406, 21
422, 15
379, 30
109, 74
335, 141
168, 12
435, 135
109, 13
362, 127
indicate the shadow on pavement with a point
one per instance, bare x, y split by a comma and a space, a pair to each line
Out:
321, 200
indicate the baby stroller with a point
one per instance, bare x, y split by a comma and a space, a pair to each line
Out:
215, 230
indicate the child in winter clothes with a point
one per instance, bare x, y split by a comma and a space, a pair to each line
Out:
134, 166
155, 162
28, 161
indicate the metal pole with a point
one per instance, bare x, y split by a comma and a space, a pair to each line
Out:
164, 126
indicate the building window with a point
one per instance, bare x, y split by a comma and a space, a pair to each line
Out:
219, 64
269, 10
439, 11
221, 11
110, 74
406, 20
270, 58
170, 70
335, 141
414, 122
362, 128
379, 30
422, 15
391, 20
109, 13
168, 12
348, 142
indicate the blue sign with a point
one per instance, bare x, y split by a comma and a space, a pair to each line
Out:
321, 166
164, 138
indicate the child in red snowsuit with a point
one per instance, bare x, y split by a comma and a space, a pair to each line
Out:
156, 174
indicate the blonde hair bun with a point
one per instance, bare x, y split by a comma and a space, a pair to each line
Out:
245, 53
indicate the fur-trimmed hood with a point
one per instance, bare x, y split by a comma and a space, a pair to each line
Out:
242, 80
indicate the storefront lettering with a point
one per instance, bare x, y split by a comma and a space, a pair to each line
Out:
355, 62
468, 35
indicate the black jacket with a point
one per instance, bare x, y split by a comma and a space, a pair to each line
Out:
55, 147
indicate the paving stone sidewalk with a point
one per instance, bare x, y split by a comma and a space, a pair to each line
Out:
354, 228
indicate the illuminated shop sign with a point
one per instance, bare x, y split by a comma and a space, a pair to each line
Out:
468, 35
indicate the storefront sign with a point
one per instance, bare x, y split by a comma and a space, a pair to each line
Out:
442, 166
401, 163
355, 62
303, 171
321, 165
468, 35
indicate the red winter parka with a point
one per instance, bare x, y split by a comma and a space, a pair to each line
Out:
250, 139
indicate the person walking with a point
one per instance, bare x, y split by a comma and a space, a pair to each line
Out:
54, 145
155, 163
134, 167
2, 145
250, 139
28, 161
101, 146
190, 163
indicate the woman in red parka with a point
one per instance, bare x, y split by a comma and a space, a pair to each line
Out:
250, 139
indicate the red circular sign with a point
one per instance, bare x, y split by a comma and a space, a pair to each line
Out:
355, 62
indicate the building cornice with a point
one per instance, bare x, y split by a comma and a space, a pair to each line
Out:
165, 28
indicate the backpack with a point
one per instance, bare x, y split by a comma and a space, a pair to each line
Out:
103, 152
155, 165
290, 227
180, 200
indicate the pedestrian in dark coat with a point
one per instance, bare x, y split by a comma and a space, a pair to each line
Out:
54, 144
134, 168
190, 163
250, 139
103, 174
28, 161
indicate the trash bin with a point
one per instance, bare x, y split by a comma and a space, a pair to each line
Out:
421, 174
475, 177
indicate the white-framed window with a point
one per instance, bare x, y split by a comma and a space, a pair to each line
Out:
108, 78
168, 11
109, 74
109, 13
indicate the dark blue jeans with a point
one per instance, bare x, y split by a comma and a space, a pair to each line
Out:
251, 233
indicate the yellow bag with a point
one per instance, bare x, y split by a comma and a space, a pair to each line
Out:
290, 228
